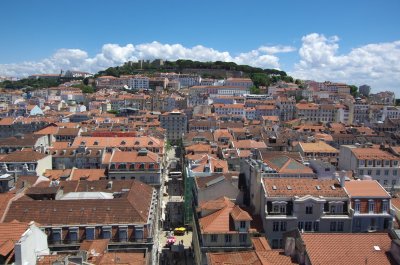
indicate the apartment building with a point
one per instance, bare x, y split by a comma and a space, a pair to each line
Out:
175, 122
379, 164
220, 225
369, 205
142, 165
309, 205
239, 82
73, 211
317, 150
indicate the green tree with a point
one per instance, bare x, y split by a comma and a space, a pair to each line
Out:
354, 90
254, 90
260, 79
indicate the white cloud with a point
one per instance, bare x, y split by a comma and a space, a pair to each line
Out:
375, 64
276, 49
114, 54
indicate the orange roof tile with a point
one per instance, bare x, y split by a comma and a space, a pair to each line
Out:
289, 187
365, 188
347, 249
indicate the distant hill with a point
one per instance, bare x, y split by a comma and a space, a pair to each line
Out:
217, 70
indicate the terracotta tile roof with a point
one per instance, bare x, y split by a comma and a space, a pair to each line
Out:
289, 187
10, 233
365, 188
133, 156
240, 215
347, 249
260, 244
6, 121
132, 207
95, 248
220, 220
216, 204
248, 144
68, 131
268, 257
318, 147
54, 174
142, 142
123, 258
286, 165
87, 174
28, 140
23, 156
372, 153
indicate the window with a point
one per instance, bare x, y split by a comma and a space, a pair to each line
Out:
282, 209
369, 172
386, 172
357, 206
122, 166
138, 232
332, 208
395, 162
361, 172
300, 225
387, 162
395, 172
123, 233
275, 226
275, 243
333, 226
90, 233
340, 226
308, 226
316, 226
243, 238
214, 238
378, 172
106, 232
73, 234
385, 182
242, 224
276, 209
370, 163
283, 226
56, 235
309, 209
393, 182
228, 238
385, 206
371, 206
112, 166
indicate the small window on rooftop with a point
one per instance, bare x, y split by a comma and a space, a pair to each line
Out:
123, 143
289, 187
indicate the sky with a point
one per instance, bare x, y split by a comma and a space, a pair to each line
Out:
357, 42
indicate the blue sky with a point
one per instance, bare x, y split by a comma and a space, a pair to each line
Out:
311, 39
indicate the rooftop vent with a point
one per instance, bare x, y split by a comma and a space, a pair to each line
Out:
274, 187
318, 187
289, 187
377, 248
333, 187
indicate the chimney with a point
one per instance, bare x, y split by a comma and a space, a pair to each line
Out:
290, 245
109, 185
342, 176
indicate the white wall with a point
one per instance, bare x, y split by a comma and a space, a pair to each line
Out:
32, 244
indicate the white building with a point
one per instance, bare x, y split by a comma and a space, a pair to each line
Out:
380, 165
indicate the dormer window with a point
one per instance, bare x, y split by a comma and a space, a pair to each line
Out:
123, 143
96, 143
83, 143
122, 166
112, 166
132, 167
150, 143
242, 224
137, 143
